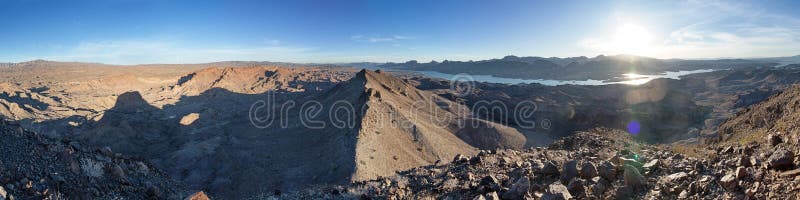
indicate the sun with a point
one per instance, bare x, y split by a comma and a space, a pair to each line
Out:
631, 39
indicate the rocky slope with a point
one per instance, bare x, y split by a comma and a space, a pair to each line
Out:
34, 167
598, 164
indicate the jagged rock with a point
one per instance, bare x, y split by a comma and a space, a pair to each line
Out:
774, 139
588, 170
741, 172
729, 182
475, 160
576, 186
608, 170
569, 171
550, 168
632, 177
781, 159
197, 196
518, 189
489, 180
556, 191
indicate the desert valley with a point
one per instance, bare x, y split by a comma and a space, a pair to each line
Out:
88, 130
399, 100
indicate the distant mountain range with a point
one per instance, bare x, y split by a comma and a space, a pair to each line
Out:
581, 68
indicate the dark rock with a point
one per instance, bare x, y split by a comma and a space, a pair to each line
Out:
607, 170
550, 168
106, 151
519, 189
569, 171
774, 139
781, 159
588, 170
576, 186
154, 192
460, 159
475, 160
741, 172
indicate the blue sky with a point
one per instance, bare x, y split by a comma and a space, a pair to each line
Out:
172, 31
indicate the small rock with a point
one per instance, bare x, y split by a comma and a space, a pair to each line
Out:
106, 151
475, 160
632, 177
576, 186
600, 186
556, 191
550, 168
684, 195
588, 170
781, 159
729, 182
650, 165
519, 189
460, 159
154, 192
774, 139
116, 171
741, 172
607, 170
489, 180
197, 196
569, 171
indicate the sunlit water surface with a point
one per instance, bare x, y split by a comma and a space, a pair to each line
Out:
628, 78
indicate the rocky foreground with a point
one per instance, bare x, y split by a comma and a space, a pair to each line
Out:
34, 167
598, 164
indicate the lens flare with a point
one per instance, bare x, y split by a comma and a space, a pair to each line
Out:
634, 127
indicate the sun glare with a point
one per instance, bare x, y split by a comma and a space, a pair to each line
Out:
631, 39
